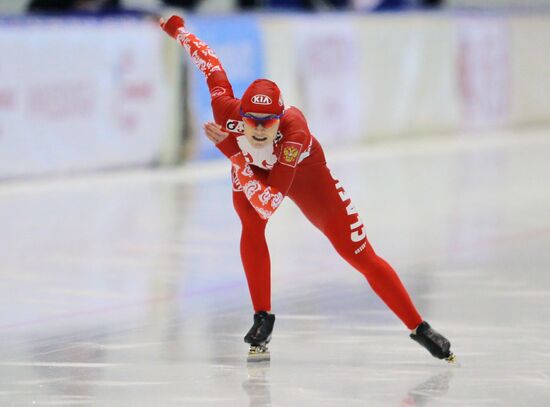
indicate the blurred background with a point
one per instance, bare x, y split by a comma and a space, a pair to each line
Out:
121, 282
88, 85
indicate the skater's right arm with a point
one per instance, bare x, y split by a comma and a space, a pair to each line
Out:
208, 63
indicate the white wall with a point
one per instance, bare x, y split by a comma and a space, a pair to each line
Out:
86, 95
19, 6
12, 6
497, 3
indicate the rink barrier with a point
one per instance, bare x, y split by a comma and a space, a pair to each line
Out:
86, 94
94, 94
378, 76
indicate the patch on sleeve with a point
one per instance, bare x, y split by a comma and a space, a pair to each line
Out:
217, 91
235, 126
290, 153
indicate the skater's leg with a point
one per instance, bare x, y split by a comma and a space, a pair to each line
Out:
254, 253
257, 267
381, 276
325, 203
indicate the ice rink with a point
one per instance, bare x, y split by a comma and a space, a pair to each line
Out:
126, 289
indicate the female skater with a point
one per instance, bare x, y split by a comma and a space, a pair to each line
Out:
273, 155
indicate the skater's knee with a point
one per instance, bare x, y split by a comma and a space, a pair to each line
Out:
371, 266
250, 219
253, 226
253, 237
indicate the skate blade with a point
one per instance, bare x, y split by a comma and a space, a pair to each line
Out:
452, 359
258, 354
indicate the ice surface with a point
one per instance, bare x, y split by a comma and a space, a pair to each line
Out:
126, 289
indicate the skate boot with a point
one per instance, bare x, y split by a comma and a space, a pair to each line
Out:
434, 342
259, 336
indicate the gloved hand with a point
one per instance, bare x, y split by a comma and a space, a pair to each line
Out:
172, 26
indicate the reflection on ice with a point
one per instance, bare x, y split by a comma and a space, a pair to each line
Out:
129, 291
436, 386
257, 385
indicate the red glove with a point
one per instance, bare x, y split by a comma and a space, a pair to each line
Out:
172, 26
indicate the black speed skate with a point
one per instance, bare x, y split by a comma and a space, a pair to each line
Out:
434, 342
259, 336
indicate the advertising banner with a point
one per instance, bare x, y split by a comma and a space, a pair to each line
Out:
237, 42
80, 94
408, 78
530, 60
484, 71
329, 76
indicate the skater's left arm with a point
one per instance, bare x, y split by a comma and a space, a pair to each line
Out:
206, 60
265, 198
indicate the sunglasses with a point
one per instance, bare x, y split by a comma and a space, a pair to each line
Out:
266, 122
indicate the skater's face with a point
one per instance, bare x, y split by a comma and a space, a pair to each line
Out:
260, 128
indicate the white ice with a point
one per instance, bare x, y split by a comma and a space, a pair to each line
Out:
126, 289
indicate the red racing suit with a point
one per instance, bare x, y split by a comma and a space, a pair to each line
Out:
294, 166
